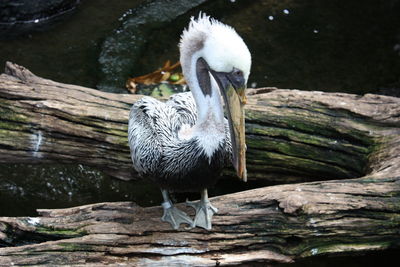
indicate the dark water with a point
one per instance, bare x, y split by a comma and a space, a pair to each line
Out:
25, 188
338, 45
346, 46
67, 51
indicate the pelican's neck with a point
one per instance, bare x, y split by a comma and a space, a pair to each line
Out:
210, 125
210, 110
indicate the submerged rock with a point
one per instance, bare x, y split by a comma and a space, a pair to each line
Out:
21, 16
121, 50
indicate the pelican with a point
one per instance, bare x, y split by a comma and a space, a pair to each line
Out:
184, 143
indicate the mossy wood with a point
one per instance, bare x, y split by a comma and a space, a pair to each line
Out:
291, 136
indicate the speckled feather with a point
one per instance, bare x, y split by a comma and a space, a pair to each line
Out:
158, 152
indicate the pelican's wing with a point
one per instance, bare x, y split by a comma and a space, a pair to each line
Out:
150, 126
185, 107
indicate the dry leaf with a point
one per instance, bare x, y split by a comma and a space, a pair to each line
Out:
165, 74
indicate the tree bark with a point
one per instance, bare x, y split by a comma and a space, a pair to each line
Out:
45, 121
291, 135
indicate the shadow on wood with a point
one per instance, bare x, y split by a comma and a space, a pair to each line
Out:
292, 136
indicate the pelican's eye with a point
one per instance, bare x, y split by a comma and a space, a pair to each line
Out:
237, 72
236, 78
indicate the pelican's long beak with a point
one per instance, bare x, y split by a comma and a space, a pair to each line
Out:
235, 101
233, 91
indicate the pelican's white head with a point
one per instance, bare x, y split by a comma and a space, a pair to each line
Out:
215, 61
217, 43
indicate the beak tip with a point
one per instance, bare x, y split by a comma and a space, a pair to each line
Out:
243, 175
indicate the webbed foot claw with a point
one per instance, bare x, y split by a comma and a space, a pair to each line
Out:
204, 213
174, 215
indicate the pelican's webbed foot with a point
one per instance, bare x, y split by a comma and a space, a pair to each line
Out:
204, 211
172, 214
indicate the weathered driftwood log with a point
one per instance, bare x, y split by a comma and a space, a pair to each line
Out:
291, 135
271, 224
45, 121
304, 135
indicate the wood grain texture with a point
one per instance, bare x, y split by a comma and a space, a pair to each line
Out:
271, 224
291, 135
